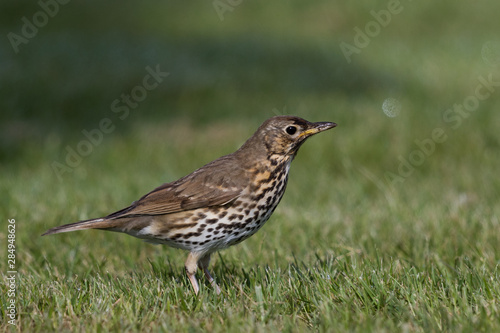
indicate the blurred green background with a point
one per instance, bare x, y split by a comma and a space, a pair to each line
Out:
230, 68
238, 66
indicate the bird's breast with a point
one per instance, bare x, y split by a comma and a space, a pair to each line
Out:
212, 228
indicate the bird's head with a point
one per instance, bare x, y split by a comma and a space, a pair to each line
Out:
283, 135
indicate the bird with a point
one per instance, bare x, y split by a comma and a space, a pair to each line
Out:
218, 205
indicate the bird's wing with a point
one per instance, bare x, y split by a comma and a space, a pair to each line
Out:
212, 185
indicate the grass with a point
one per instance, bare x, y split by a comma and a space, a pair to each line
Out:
346, 250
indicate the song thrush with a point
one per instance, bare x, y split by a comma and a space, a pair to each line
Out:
218, 205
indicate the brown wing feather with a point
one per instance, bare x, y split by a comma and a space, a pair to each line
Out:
216, 183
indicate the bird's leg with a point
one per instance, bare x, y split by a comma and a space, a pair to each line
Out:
191, 266
203, 264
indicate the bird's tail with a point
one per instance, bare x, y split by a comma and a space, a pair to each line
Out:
100, 223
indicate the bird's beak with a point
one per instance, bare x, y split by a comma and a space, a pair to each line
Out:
316, 128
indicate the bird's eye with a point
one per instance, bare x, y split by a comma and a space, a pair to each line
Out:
291, 130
